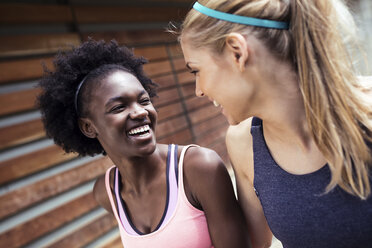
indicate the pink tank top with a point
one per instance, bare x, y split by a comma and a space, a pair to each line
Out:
183, 227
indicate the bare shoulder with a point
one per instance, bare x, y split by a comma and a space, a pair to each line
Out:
201, 160
100, 194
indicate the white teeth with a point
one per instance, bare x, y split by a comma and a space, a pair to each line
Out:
216, 104
137, 130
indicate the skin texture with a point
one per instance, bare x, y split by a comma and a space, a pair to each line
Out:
120, 103
247, 80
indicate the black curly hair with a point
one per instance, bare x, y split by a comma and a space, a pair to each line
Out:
92, 61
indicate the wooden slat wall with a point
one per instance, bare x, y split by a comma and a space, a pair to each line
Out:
45, 194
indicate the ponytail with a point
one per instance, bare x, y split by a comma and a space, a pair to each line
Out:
339, 121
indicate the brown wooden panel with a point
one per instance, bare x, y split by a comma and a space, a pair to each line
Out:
179, 64
182, 137
41, 225
24, 197
170, 126
188, 90
164, 81
185, 77
125, 14
133, 37
21, 133
196, 102
34, 13
175, 50
29, 163
88, 233
166, 97
217, 134
204, 113
152, 52
25, 69
16, 45
115, 243
205, 127
18, 101
168, 111
156, 68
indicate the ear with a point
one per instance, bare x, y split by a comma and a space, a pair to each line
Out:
237, 46
87, 128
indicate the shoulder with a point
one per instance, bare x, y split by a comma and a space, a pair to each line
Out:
201, 160
100, 192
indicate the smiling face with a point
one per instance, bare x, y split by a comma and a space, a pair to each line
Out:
121, 116
218, 77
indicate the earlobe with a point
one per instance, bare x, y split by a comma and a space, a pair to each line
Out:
238, 47
87, 128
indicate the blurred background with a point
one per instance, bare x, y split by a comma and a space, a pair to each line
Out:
45, 194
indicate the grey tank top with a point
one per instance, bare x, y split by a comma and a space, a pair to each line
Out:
298, 211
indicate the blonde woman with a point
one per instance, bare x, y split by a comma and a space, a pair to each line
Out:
301, 129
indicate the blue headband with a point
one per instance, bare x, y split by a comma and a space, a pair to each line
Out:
240, 19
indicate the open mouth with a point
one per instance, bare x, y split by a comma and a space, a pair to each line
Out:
139, 131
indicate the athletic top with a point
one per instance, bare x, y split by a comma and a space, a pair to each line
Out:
299, 212
181, 226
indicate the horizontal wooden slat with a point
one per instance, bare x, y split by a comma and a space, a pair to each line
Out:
151, 52
182, 137
18, 101
196, 102
168, 111
29, 163
164, 81
21, 133
204, 128
157, 68
115, 243
166, 97
98, 14
175, 50
185, 77
24, 197
17, 45
179, 64
25, 69
88, 233
133, 37
188, 90
34, 14
41, 225
203, 114
217, 134
168, 127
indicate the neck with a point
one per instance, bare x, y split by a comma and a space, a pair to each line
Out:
137, 173
280, 104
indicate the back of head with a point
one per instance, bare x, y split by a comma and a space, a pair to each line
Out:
317, 44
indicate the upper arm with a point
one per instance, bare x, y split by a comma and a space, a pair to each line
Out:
211, 185
239, 147
100, 194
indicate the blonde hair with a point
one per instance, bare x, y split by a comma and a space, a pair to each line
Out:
317, 44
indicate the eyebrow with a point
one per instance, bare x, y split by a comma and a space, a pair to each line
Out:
120, 98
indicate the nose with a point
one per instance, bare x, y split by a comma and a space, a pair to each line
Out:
198, 91
138, 112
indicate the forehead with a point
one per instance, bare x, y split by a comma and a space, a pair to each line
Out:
119, 81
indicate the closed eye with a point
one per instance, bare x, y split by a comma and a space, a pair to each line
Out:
194, 72
117, 108
145, 101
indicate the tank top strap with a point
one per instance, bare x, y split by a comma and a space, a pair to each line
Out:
109, 193
180, 172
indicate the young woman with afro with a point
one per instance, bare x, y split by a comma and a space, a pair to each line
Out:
98, 101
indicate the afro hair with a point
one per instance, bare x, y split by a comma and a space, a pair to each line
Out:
57, 100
